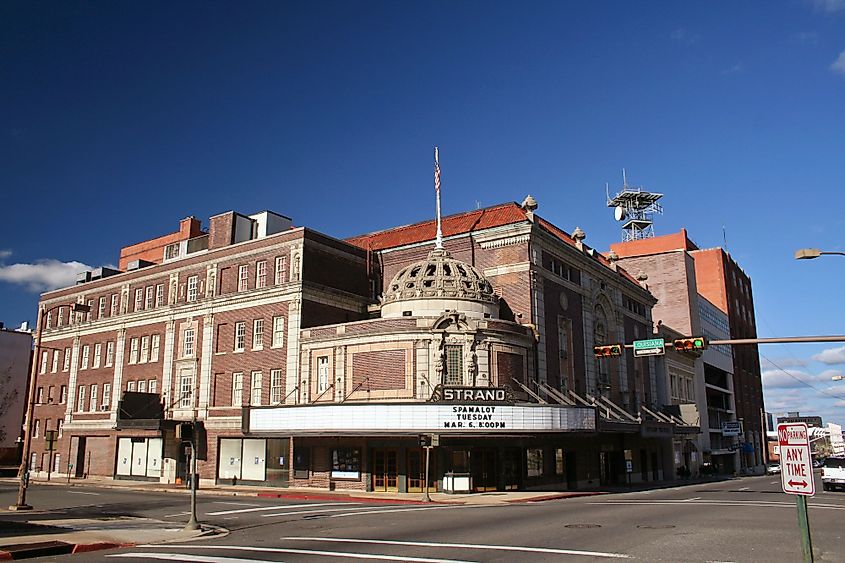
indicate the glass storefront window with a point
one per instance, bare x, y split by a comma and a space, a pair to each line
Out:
560, 468
346, 463
534, 462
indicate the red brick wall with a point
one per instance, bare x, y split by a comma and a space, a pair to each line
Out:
509, 366
221, 230
574, 314
385, 368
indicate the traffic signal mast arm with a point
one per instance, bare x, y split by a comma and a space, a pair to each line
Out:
613, 349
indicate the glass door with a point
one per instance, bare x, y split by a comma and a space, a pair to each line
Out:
483, 463
416, 471
385, 471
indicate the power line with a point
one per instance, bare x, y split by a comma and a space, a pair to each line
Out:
798, 379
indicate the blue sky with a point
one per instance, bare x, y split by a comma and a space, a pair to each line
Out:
120, 118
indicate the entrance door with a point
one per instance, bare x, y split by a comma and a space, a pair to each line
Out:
385, 471
512, 468
483, 467
416, 471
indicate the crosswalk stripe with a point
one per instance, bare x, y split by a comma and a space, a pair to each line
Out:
343, 554
277, 507
319, 510
550, 550
189, 557
387, 510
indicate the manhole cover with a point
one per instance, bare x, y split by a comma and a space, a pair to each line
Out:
655, 526
583, 526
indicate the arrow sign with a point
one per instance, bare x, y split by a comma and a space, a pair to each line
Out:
796, 460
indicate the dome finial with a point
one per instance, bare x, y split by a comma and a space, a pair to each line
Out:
438, 243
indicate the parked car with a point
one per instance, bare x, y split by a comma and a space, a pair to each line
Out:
833, 473
773, 468
818, 463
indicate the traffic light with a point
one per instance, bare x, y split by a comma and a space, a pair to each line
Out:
692, 344
607, 350
185, 431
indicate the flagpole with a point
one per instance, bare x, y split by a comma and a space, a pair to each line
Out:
438, 243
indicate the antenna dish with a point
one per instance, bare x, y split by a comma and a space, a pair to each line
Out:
619, 213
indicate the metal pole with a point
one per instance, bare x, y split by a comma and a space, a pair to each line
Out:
426, 496
804, 528
193, 524
23, 470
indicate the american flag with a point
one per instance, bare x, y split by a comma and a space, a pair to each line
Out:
436, 171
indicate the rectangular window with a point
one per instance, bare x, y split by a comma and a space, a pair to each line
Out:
98, 352
109, 353
36, 428
276, 386
59, 317
63, 394
171, 251
188, 343
155, 345
145, 350
133, 351
94, 397
322, 373
278, 332
142, 386
130, 386
44, 358
39, 396
560, 465
101, 311
255, 395
80, 399
151, 386
106, 396
160, 295
86, 350
281, 266
454, 365
148, 297
237, 389
186, 391
534, 461
90, 308
258, 334
51, 394
55, 366
139, 299
240, 332
261, 274
243, 277
115, 303
59, 424
49, 320
66, 364
193, 285
346, 463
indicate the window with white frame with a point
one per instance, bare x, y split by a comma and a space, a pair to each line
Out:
51, 392
159, 295
237, 389
322, 373
66, 363
59, 317
243, 277
133, 351
281, 266
115, 304
258, 334
139, 299
44, 358
276, 386
101, 310
109, 353
148, 297
145, 350
93, 403
130, 386
98, 353
255, 382
86, 350
188, 343
55, 365
278, 332
39, 396
80, 399
261, 273
63, 394
186, 390
171, 251
240, 332
106, 396
48, 323
151, 386
36, 428
90, 309
59, 423
193, 287
142, 386
155, 345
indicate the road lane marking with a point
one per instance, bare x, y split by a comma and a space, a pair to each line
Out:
82, 493
277, 507
756, 504
385, 511
186, 557
691, 499
467, 546
320, 510
343, 554
236, 503
745, 488
177, 515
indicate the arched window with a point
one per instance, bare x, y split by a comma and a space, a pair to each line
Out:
600, 337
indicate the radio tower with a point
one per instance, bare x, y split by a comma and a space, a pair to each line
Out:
635, 207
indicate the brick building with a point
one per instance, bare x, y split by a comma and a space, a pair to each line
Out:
317, 362
15, 358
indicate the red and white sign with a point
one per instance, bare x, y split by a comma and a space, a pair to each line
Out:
796, 460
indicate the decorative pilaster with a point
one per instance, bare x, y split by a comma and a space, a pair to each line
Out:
71, 382
205, 364
167, 363
117, 380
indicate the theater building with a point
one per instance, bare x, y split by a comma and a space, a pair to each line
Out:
317, 362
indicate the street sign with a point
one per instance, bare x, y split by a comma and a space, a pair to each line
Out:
731, 428
650, 347
796, 461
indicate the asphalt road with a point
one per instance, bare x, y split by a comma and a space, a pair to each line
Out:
742, 520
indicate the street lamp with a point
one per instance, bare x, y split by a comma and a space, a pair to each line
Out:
837, 377
30, 406
810, 253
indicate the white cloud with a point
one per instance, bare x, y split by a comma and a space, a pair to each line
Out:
839, 64
42, 275
805, 38
684, 36
831, 356
787, 379
829, 6
5, 254
766, 363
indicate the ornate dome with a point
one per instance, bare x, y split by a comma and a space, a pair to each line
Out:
442, 279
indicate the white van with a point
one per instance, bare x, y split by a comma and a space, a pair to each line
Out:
833, 473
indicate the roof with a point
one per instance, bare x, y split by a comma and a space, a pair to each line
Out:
489, 217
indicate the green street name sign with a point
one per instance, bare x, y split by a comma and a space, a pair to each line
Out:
651, 347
